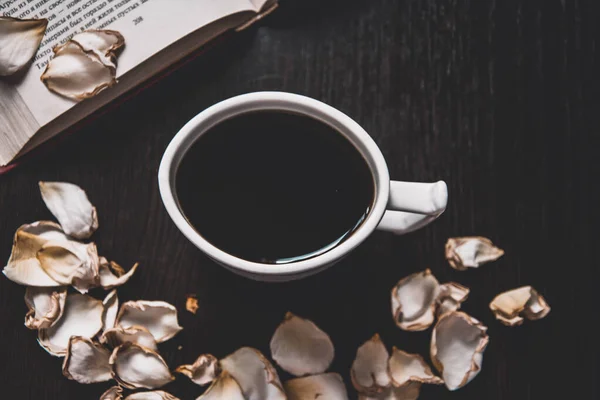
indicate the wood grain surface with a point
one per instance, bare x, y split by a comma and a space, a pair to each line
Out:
498, 98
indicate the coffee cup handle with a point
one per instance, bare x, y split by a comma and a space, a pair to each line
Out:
412, 205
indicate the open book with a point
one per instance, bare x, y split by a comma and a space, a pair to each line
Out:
157, 34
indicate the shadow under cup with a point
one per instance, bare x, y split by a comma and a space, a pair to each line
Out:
274, 187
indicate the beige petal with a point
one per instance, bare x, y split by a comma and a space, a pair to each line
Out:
369, 370
510, 307
300, 347
414, 301
325, 386
71, 207
19, 41
191, 304
205, 369
23, 267
45, 306
102, 42
82, 316
156, 395
70, 262
158, 317
135, 367
86, 361
111, 307
112, 274
409, 391
254, 373
114, 393
117, 336
405, 368
457, 345
471, 252
77, 74
451, 297
224, 388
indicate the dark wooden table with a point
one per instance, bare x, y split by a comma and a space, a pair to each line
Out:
498, 98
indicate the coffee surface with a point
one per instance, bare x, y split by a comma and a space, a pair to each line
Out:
274, 187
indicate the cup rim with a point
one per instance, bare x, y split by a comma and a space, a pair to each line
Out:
282, 101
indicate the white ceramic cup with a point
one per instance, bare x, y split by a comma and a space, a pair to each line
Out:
399, 207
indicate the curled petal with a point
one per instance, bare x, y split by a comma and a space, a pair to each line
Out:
156, 395
112, 275
224, 388
23, 266
114, 393
205, 369
77, 74
102, 42
158, 317
325, 386
471, 252
82, 316
117, 336
414, 301
111, 307
45, 306
300, 347
451, 297
70, 262
405, 368
254, 373
86, 361
457, 345
369, 370
525, 302
135, 367
19, 41
71, 207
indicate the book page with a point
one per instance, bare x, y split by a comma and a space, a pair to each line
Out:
147, 25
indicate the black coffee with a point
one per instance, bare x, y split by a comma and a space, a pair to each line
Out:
274, 187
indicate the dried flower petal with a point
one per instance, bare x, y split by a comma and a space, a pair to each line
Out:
409, 391
510, 307
457, 345
224, 388
471, 252
112, 274
70, 262
111, 307
156, 395
19, 41
254, 373
23, 267
102, 42
77, 74
71, 207
325, 386
300, 347
117, 336
135, 367
114, 393
45, 306
451, 297
413, 301
191, 304
86, 361
369, 370
405, 368
205, 369
158, 317
82, 316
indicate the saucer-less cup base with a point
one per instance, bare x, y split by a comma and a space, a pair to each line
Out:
399, 207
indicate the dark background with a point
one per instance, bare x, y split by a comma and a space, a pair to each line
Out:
498, 98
